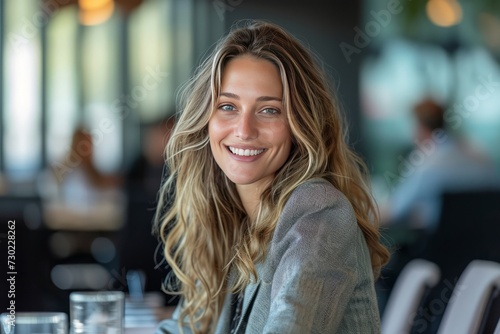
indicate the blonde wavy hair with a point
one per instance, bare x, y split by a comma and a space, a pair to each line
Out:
201, 220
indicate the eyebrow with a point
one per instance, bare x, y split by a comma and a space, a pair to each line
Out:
259, 99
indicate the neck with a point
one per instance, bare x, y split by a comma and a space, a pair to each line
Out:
250, 198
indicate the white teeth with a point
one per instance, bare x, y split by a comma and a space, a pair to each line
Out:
246, 153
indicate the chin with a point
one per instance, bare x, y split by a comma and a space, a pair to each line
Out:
241, 180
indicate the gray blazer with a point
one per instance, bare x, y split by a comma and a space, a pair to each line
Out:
316, 277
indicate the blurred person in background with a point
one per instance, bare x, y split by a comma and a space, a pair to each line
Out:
79, 196
142, 183
146, 170
440, 162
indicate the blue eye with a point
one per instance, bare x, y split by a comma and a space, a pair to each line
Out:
226, 107
270, 111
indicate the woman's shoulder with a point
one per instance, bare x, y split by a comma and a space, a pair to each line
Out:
316, 184
317, 194
317, 202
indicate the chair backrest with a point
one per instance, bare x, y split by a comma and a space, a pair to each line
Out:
497, 330
470, 297
468, 229
409, 289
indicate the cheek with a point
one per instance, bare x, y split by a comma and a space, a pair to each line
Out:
212, 131
287, 151
282, 135
211, 136
215, 128
215, 136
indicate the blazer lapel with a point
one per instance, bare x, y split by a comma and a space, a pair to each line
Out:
248, 299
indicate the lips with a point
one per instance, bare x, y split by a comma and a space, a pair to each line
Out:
245, 152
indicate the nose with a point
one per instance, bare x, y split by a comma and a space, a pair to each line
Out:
246, 127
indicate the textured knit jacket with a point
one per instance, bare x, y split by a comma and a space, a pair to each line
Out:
316, 277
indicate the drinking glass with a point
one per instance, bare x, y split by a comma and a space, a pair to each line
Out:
97, 312
34, 323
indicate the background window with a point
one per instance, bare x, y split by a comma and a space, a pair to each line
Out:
22, 100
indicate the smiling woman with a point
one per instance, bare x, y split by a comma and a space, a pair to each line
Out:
267, 221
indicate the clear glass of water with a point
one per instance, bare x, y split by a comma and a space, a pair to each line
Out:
34, 323
98, 312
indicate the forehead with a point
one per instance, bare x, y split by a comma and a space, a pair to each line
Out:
249, 74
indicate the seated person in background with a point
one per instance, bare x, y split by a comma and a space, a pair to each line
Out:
441, 162
146, 171
77, 196
142, 183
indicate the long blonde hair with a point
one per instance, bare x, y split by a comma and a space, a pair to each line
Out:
204, 227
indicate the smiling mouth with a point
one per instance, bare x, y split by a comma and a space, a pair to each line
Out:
246, 152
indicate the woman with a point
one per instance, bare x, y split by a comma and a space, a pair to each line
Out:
271, 229
76, 194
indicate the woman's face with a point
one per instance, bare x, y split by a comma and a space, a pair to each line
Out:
249, 133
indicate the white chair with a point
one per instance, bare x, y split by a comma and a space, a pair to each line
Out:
470, 297
497, 329
406, 295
